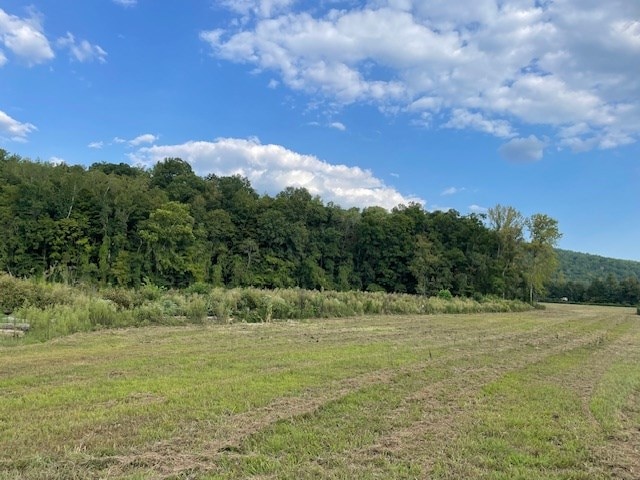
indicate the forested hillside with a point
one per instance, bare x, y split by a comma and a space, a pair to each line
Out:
584, 267
126, 226
585, 278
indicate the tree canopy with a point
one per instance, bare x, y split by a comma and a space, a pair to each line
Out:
121, 225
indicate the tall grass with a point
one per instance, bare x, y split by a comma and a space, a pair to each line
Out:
54, 310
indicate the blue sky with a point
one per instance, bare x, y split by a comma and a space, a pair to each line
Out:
464, 105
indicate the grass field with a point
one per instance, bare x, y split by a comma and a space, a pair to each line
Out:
546, 394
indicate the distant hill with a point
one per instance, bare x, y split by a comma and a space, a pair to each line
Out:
584, 267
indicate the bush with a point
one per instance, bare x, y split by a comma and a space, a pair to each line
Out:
13, 294
196, 309
102, 313
199, 288
123, 299
445, 295
148, 314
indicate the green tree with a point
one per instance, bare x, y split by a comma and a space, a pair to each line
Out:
541, 260
508, 224
171, 244
176, 177
424, 264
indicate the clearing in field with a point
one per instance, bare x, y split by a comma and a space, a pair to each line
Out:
544, 394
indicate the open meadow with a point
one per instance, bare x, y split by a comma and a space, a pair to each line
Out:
543, 394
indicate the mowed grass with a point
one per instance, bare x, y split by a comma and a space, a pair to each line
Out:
544, 394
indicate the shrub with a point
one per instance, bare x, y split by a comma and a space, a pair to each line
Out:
445, 294
13, 295
148, 314
196, 309
123, 299
102, 313
199, 288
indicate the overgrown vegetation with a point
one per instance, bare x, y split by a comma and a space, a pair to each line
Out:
53, 310
550, 394
120, 226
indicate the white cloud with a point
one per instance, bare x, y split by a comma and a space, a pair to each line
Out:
96, 145
139, 140
502, 67
126, 3
24, 38
478, 209
523, 150
82, 51
260, 8
271, 168
17, 131
119, 140
452, 191
57, 161
462, 119
336, 125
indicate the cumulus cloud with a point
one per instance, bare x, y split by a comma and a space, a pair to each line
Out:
502, 67
260, 8
24, 37
462, 119
96, 145
271, 168
16, 131
523, 150
338, 126
82, 51
141, 139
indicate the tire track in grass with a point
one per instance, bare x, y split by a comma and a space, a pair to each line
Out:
446, 405
614, 403
549, 401
168, 458
456, 348
446, 388
394, 327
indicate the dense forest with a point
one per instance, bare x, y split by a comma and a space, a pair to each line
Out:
585, 278
114, 224
584, 267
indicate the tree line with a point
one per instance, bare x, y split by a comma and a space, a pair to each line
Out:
608, 290
115, 224
586, 278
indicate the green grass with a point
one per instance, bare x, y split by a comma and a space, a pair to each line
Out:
541, 394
